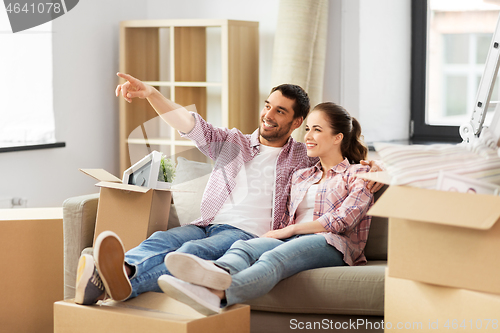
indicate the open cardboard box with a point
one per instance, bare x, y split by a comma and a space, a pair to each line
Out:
149, 312
423, 307
132, 212
445, 238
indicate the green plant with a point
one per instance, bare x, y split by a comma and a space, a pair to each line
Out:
167, 170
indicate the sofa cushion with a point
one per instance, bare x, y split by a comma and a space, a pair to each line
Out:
376, 244
347, 290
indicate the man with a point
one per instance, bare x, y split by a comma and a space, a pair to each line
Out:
231, 208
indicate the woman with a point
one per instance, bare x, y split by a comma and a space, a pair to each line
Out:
325, 224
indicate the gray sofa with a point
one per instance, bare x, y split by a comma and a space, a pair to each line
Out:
336, 298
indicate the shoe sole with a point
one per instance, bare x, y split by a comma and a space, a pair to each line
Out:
109, 256
83, 275
192, 269
184, 297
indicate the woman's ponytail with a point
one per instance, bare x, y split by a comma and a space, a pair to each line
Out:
356, 149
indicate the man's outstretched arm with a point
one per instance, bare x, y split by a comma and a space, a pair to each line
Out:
174, 114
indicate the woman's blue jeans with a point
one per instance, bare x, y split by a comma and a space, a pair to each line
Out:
257, 265
209, 243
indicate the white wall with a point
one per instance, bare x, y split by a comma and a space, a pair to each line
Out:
85, 55
333, 69
385, 69
367, 71
368, 64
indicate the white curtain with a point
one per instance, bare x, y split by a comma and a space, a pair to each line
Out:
300, 48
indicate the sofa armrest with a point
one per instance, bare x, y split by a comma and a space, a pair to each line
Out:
79, 216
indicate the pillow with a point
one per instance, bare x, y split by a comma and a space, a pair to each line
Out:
191, 178
419, 165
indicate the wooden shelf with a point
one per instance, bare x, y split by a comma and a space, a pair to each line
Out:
183, 84
205, 23
213, 64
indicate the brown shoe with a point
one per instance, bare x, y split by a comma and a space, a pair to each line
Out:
109, 256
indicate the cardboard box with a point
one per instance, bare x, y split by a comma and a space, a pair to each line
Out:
132, 212
422, 307
445, 238
31, 243
149, 312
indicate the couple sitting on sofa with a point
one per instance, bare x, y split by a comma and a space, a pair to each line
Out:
311, 208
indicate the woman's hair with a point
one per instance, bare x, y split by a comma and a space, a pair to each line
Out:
352, 147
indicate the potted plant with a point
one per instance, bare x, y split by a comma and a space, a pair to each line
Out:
167, 171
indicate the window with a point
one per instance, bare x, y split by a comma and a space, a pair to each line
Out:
26, 106
463, 65
450, 40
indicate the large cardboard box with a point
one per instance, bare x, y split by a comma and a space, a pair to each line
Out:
132, 212
422, 307
149, 312
445, 238
31, 243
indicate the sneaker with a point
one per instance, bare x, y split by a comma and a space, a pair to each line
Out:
193, 269
109, 256
199, 298
89, 286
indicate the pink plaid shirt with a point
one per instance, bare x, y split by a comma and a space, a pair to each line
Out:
342, 201
230, 149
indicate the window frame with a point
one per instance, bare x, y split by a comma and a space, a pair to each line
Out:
419, 130
59, 144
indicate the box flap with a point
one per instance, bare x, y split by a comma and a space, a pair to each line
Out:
135, 188
166, 189
477, 211
125, 187
101, 175
379, 176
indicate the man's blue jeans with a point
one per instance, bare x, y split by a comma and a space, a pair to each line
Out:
257, 265
209, 243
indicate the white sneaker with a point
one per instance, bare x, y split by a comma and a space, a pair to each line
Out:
89, 287
199, 298
193, 269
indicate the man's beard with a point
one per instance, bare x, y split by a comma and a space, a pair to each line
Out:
275, 135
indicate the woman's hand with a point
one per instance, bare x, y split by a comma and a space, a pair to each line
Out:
374, 167
296, 229
284, 233
133, 88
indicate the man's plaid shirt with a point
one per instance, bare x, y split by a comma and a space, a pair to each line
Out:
230, 149
341, 203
